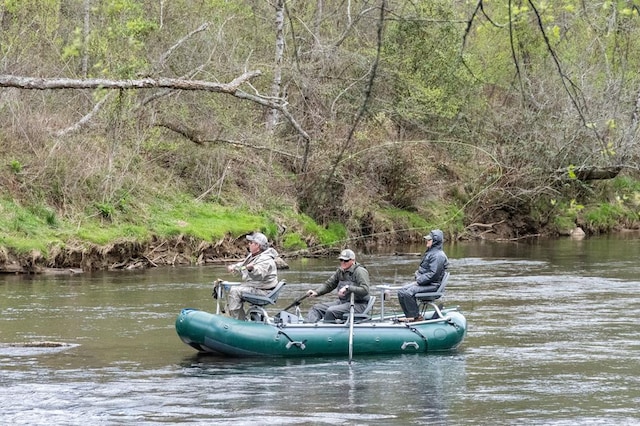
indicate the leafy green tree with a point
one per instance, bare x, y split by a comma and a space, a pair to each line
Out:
421, 66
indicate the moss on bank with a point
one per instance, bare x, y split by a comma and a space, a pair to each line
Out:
182, 230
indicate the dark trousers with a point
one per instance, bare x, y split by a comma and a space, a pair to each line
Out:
407, 299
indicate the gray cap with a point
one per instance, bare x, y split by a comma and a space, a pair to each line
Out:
428, 237
347, 255
259, 238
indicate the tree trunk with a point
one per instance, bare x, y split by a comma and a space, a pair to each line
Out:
272, 120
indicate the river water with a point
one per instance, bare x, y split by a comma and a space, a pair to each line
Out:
552, 339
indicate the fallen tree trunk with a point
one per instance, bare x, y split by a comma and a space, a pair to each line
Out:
36, 83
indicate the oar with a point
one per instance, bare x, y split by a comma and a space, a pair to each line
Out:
351, 315
295, 302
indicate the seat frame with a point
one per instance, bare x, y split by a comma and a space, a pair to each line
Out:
427, 299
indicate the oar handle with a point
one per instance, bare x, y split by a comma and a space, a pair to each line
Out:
351, 318
296, 302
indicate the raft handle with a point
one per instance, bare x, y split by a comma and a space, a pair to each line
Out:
301, 345
413, 344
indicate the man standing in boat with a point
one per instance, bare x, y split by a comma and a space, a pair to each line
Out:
430, 272
350, 277
259, 271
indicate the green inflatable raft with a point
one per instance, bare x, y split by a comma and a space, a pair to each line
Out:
284, 336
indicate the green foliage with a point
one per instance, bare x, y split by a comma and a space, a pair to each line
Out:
425, 76
409, 220
332, 234
397, 174
106, 209
16, 166
626, 185
22, 245
622, 192
564, 222
47, 215
27, 228
74, 47
204, 221
24, 24
293, 241
604, 217
124, 23
572, 208
448, 216
566, 214
433, 215
97, 233
621, 207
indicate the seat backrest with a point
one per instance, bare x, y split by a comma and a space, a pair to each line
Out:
273, 294
364, 315
437, 293
443, 283
370, 303
260, 300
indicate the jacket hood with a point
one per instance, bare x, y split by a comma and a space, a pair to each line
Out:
438, 238
271, 252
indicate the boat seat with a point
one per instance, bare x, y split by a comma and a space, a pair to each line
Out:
259, 300
364, 315
426, 299
256, 311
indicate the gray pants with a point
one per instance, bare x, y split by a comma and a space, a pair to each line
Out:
333, 311
234, 301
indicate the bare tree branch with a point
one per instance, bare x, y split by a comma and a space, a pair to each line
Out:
184, 131
513, 50
274, 103
232, 88
351, 25
479, 8
195, 137
467, 31
169, 51
84, 120
571, 88
160, 64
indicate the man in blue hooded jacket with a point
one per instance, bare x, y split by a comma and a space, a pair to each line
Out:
429, 274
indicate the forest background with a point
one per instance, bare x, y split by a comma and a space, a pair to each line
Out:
141, 133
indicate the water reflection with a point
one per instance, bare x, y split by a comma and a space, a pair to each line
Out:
404, 389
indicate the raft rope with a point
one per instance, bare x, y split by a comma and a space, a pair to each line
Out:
415, 330
453, 323
292, 342
449, 320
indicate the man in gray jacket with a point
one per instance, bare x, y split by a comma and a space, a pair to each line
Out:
429, 274
259, 273
350, 277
